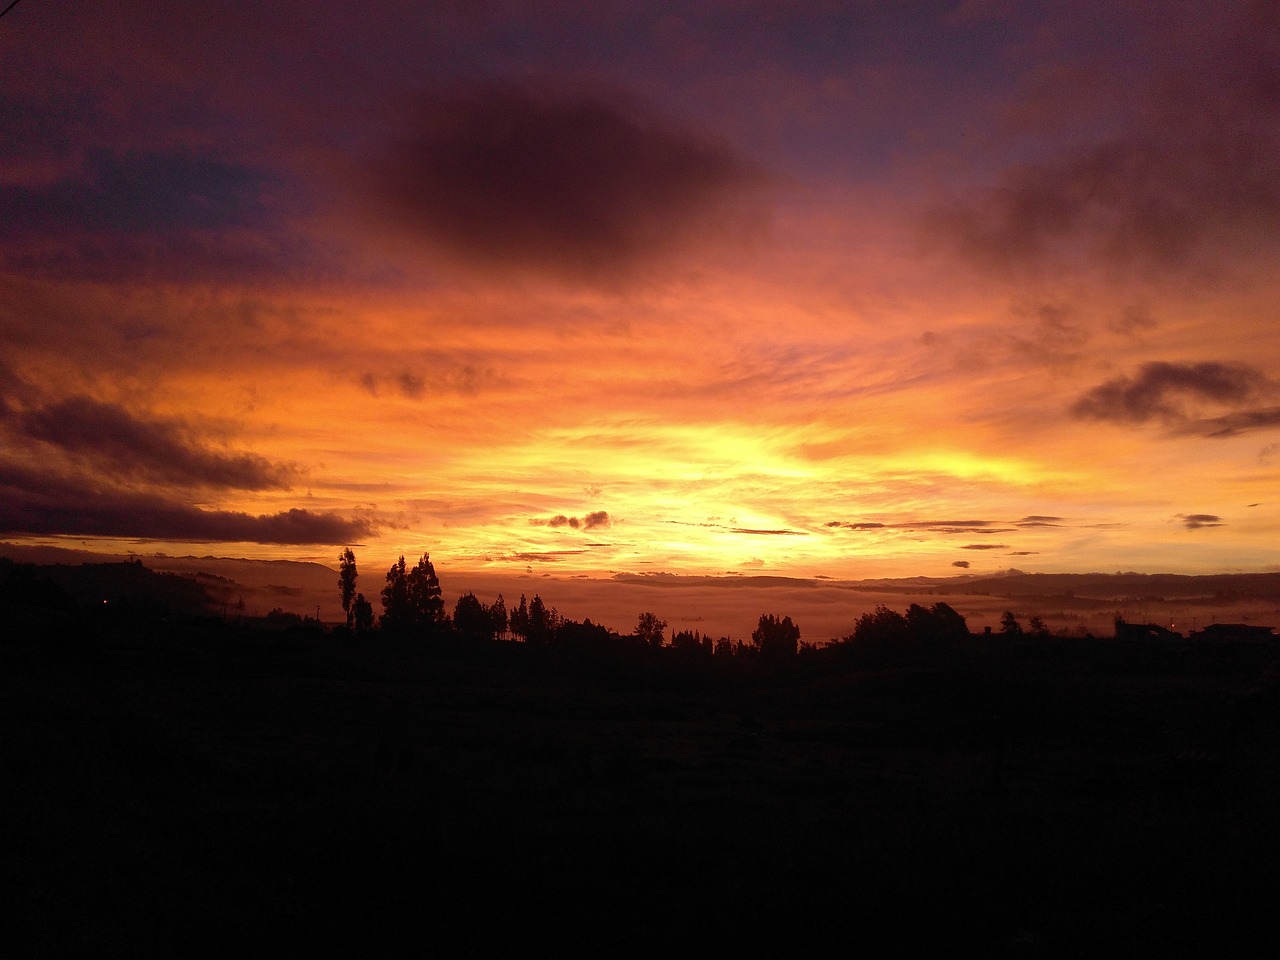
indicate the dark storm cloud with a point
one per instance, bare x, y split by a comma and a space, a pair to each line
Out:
575, 182
1195, 521
1160, 391
118, 442
1197, 161
34, 502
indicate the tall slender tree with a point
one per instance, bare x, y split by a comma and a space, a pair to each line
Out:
347, 581
520, 619
426, 599
542, 622
498, 616
397, 615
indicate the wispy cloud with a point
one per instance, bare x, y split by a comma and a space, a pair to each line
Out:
1197, 521
1036, 521
926, 526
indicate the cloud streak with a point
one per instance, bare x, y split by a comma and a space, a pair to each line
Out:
118, 442
927, 526
598, 520
1198, 521
39, 503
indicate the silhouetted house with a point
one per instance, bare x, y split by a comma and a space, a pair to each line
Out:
1234, 631
1143, 631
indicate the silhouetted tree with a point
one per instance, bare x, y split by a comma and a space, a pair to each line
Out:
1009, 624
935, 627
362, 614
1037, 627
397, 615
882, 625
412, 600
690, 643
541, 627
498, 617
776, 638
520, 619
426, 599
878, 636
649, 629
472, 619
347, 581
585, 637
949, 623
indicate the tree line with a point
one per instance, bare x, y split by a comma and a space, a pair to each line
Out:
413, 606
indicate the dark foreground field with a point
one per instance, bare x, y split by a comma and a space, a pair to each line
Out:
219, 792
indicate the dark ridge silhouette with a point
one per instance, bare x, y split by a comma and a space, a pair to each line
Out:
125, 585
491, 783
1121, 585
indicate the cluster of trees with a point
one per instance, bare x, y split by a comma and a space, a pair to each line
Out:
413, 604
1010, 627
885, 634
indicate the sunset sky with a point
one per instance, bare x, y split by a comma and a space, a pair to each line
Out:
846, 289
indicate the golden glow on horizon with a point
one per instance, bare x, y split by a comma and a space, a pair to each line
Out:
907, 351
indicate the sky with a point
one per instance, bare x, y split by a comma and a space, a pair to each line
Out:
840, 289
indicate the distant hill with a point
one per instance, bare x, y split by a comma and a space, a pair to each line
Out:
126, 584
1120, 586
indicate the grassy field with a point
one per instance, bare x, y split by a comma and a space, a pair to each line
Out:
202, 790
